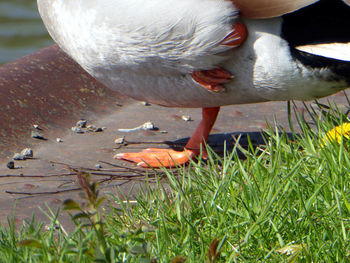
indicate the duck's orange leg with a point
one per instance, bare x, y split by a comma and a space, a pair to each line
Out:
213, 79
153, 157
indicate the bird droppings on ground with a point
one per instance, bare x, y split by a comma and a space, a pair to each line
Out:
147, 126
37, 135
186, 118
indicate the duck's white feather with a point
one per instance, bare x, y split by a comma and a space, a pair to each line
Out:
147, 49
339, 51
133, 34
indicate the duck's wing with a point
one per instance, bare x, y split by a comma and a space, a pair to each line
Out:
270, 8
320, 30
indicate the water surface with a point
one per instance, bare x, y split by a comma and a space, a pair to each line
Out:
21, 29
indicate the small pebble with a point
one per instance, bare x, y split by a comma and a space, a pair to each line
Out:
77, 129
148, 126
37, 135
17, 156
98, 129
36, 126
10, 165
163, 131
59, 140
27, 153
50, 228
145, 103
81, 123
93, 128
98, 166
186, 118
120, 140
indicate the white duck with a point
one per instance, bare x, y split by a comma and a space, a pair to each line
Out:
185, 53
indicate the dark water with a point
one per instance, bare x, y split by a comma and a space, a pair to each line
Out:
21, 29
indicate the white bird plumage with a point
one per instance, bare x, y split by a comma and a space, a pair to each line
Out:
147, 49
176, 34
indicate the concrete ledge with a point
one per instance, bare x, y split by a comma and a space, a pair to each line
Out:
49, 89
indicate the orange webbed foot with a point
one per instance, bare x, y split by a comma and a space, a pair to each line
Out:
156, 158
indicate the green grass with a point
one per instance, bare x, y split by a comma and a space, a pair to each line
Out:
286, 201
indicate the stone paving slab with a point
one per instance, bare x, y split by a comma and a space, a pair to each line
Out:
86, 150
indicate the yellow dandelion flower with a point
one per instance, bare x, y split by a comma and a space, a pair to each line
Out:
337, 133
